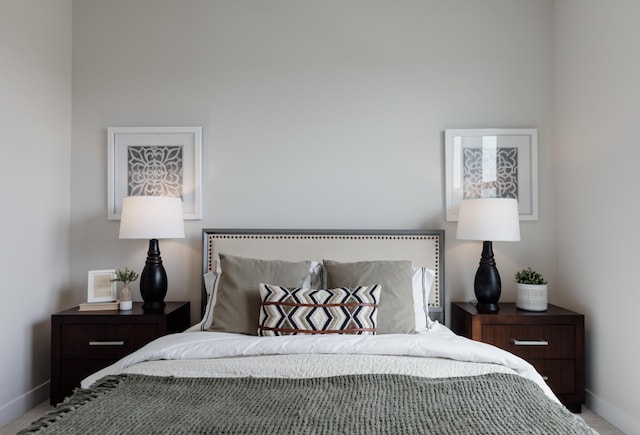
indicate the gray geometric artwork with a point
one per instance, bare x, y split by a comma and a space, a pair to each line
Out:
154, 170
490, 175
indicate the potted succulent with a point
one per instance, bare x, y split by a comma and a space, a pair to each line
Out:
125, 276
531, 290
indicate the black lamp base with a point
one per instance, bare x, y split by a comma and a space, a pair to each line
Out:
490, 308
487, 285
153, 280
153, 306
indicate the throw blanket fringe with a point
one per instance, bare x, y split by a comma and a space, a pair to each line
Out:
80, 397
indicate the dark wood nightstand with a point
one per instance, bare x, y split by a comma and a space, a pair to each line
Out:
83, 342
552, 341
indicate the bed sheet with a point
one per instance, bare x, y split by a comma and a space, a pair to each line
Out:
436, 353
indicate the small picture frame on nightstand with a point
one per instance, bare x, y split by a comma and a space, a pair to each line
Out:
100, 288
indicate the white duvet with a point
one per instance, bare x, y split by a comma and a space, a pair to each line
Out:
436, 353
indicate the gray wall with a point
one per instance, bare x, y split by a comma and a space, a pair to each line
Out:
598, 207
35, 139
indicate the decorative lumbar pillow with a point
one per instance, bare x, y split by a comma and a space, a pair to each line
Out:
395, 313
237, 304
291, 311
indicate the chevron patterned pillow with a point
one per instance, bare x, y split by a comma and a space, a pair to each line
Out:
291, 311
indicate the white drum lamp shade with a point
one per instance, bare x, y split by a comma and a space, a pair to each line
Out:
151, 217
494, 219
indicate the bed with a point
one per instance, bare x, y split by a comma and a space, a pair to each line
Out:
317, 332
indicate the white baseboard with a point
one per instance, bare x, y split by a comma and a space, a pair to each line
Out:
623, 421
14, 409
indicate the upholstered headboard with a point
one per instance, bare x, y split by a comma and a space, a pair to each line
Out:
422, 247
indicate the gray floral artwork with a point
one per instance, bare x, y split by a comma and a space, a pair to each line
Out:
155, 170
490, 175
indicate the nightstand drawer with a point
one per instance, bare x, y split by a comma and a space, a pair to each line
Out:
560, 374
104, 341
533, 341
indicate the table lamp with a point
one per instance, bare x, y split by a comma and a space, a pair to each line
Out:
489, 220
153, 218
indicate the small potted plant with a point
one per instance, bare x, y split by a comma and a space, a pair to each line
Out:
125, 276
531, 290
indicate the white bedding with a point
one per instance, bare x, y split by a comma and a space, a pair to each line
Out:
436, 353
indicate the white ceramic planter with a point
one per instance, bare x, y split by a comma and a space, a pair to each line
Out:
125, 298
531, 297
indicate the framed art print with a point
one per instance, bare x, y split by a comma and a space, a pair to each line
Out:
155, 161
100, 288
492, 163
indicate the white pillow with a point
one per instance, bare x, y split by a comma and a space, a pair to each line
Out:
422, 281
211, 286
315, 278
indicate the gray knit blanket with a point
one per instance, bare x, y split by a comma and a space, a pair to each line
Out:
357, 404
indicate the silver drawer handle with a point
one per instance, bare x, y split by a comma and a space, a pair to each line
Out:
106, 343
530, 342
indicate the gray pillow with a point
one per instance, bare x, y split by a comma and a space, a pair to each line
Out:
395, 309
237, 307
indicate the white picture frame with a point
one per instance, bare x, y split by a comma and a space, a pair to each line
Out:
155, 161
100, 288
492, 163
